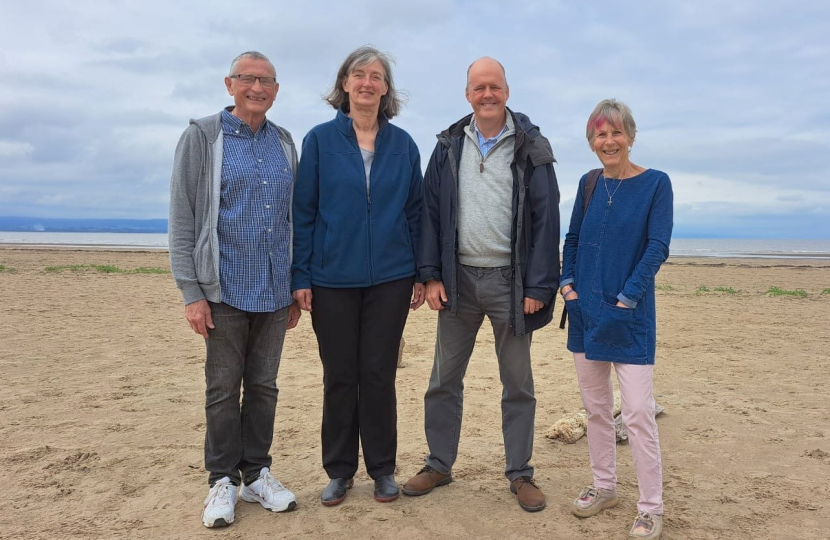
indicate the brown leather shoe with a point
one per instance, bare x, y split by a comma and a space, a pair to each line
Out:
425, 481
529, 495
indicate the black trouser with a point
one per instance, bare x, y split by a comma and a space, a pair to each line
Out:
359, 332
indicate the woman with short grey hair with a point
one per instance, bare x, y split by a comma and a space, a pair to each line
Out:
617, 241
357, 218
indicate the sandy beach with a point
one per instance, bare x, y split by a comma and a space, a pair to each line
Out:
102, 396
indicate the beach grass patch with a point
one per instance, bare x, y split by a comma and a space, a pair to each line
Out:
147, 270
103, 268
727, 290
107, 269
11, 270
777, 291
826, 291
702, 289
664, 287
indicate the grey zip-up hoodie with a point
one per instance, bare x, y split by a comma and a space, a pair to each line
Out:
195, 186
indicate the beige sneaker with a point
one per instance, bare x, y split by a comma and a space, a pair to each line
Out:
647, 526
592, 501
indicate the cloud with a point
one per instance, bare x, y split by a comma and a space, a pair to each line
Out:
13, 149
730, 99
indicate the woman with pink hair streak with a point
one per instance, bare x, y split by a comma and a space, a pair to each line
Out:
612, 252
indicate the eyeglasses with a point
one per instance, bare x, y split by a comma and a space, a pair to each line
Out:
249, 80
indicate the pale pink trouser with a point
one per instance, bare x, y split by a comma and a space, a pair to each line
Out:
638, 416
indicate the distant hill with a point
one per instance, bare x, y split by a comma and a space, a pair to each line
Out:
24, 224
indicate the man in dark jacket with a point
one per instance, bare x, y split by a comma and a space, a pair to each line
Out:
489, 246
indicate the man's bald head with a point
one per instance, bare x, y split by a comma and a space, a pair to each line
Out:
485, 62
487, 92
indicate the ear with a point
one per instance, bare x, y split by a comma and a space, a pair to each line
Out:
228, 85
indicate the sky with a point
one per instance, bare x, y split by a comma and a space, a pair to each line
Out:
731, 99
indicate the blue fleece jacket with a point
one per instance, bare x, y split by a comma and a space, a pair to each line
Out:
345, 235
613, 255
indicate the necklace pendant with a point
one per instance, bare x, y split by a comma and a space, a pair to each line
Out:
609, 202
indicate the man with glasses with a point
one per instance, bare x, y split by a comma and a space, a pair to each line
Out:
230, 229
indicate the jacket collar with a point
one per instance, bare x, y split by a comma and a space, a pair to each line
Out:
344, 123
457, 129
530, 143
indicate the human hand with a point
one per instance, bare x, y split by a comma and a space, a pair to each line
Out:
532, 305
199, 316
303, 298
294, 314
418, 296
435, 294
568, 293
620, 304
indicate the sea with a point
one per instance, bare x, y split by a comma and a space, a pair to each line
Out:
142, 241
680, 247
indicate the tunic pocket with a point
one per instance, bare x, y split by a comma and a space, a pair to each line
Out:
614, 326
576, 326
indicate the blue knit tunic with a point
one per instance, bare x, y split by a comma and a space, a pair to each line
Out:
613, 255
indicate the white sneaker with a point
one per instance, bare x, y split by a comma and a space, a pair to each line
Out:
269, 492
219, 504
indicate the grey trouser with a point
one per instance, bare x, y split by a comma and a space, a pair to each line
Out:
481, 291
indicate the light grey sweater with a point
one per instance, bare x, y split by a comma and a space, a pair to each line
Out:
485, 194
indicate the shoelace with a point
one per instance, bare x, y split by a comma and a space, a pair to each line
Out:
525, 480
589, 492
644, 519
269, 483
220, 493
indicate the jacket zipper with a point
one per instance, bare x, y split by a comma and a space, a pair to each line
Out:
369, 209
518, 185
454, 169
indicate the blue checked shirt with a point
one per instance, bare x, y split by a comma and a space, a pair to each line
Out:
486, 144
254, 233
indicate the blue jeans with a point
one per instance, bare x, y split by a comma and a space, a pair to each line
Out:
243, 355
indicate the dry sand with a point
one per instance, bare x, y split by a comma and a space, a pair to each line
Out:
101, 401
